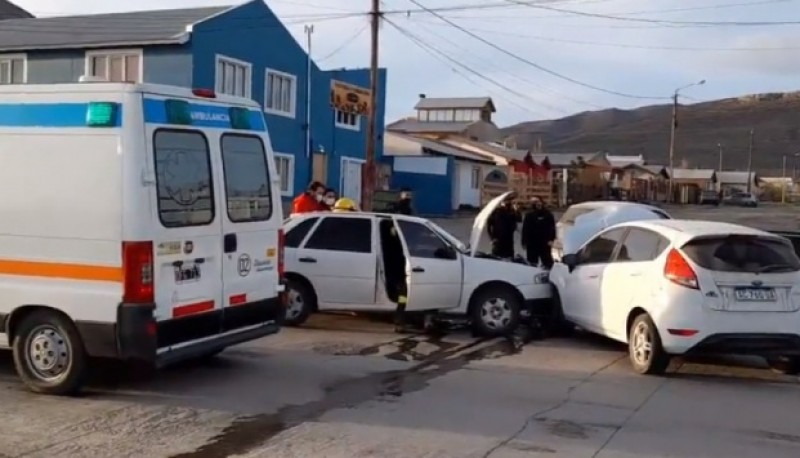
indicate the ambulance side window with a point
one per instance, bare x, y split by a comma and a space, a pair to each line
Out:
183, 178
248, 188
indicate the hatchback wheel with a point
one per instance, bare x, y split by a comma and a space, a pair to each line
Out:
300, 302
787, 365
644, 347
495, 311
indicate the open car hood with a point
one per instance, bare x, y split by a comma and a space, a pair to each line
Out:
588, 225
479, 235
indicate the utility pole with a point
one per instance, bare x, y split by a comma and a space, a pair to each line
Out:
369, 181
719, 145
750, 159
670, 197
783, 181
309, 30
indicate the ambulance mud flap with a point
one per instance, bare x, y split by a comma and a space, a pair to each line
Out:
136, 332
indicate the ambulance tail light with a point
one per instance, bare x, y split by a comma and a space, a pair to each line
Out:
281, 244
138, 273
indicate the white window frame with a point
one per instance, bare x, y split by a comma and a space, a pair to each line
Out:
475, 177
343, 125
290, 179
248, 70
293, 110
108, 53
12, 57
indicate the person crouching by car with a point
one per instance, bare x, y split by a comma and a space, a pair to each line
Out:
310, 200
501, 226
538, 234
329, 199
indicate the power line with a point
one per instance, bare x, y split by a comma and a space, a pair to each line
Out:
652, 20
534, 64
442, 57
344, 44
618, 45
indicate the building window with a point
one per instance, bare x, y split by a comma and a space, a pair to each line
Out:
12, 69
234, 77
284, 164
115, 66
280, 94
349, 121
475, 179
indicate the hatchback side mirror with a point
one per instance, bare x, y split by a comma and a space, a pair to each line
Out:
570, 260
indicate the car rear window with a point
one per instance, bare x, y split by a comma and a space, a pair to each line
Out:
743, 253
247, 184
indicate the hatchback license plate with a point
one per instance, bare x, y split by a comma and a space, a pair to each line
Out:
755, 295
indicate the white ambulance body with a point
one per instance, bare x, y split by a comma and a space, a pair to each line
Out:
137, 222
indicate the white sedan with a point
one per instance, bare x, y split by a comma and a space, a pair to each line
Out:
362, 261
674, 287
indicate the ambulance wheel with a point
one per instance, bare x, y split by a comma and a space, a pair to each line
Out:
300, 301
495, 311
48, 354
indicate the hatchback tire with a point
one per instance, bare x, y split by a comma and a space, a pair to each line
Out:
645, 350
49, 355
495, 311
300, 302
787, 365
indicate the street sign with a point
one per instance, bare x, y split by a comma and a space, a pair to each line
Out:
350, 98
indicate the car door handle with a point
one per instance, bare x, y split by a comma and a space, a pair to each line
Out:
418, 269
230, 243
308, 260
636, 274
594, 276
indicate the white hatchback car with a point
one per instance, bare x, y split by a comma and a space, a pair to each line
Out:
674, 287
355, 261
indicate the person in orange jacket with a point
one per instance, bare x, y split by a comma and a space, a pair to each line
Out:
310, 200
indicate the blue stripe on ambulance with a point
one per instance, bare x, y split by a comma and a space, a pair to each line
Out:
49, 115
214, 116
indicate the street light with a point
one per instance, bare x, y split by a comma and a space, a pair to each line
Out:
672, 133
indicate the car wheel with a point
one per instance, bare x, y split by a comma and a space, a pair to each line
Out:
49, 355
556, 325
646, 353
495, 311
300, 302
787, 365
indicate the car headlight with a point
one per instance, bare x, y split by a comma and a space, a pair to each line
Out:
542, 278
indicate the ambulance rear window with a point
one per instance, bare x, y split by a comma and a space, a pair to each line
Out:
247, 185
183, 176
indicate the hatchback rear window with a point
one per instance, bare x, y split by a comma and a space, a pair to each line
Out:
736, 253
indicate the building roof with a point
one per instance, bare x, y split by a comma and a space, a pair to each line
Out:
102, 30
624, 161
9, 10
427, 103
734, 177
395, 148
413, 125
488, 149
693, 174
565, 159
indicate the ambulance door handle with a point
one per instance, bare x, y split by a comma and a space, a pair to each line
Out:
230, 243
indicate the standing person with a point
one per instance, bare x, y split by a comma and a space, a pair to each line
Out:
538, 234
404, 204
310, 200
329, 199
501, 226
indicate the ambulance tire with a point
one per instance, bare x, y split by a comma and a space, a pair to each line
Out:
49, 355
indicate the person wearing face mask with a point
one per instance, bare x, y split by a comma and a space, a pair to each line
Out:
538, 234
329, 199
310, 200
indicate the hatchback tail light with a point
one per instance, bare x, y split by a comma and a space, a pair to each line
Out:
678, 270
137, 265
281, 243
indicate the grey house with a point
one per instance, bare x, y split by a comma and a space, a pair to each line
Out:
9, 10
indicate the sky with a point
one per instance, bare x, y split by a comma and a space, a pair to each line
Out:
545, 59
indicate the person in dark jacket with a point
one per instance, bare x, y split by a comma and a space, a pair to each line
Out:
501, 226
403, 206
538, 234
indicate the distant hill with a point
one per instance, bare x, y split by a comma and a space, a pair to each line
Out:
701, 126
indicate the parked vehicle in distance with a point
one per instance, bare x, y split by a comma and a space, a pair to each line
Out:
360, 262
675, 287
595, 216
741, 199
709, 198
140, 222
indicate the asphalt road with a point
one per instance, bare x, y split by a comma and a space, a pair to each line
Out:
345, 386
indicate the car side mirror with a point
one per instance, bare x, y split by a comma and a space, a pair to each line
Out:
445, 253
570, 260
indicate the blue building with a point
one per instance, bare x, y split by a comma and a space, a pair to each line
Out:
242, 50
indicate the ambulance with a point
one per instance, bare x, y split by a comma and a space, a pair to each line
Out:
138, 223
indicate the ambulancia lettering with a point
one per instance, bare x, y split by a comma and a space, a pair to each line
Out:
206, 116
